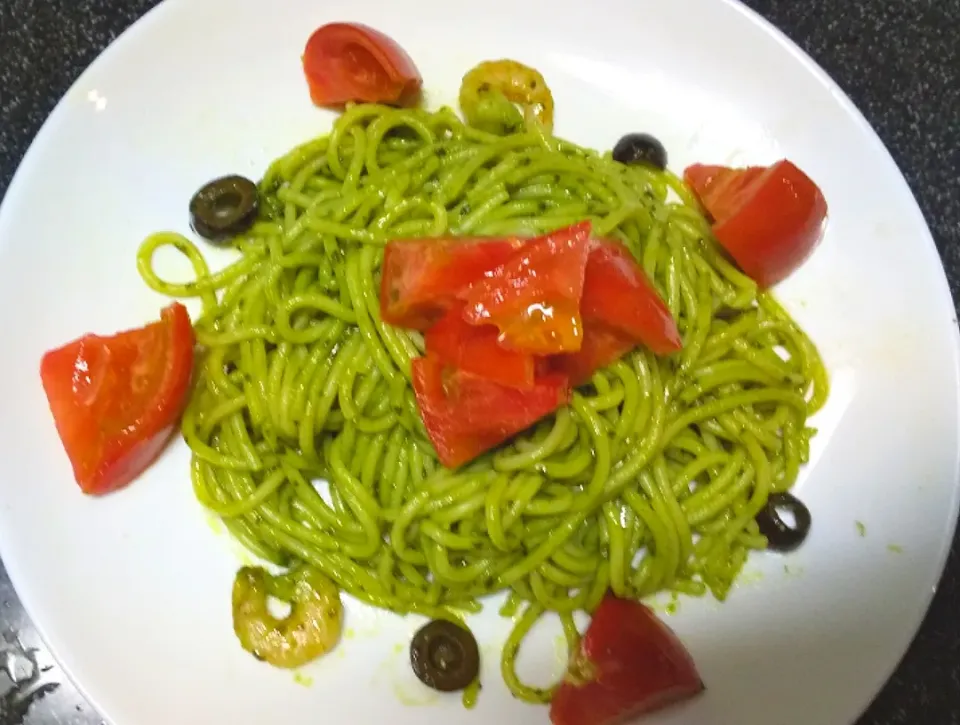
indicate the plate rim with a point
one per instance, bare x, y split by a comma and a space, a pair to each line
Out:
18, 577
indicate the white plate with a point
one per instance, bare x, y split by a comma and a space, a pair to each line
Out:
132, 591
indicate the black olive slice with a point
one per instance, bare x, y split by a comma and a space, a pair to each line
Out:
224, 208
640, 148
445, 656
782, 536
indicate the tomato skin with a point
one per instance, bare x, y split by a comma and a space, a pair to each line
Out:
353, 62
453, 443
475, 350
616, 292
768, 219
629, 663
721, 189
116, 400
466, 415
602, 346
487, 406
534, 297
421, 278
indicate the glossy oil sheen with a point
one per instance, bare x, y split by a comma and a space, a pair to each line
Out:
132, 591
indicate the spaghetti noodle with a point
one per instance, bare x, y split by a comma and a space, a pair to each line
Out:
649, 480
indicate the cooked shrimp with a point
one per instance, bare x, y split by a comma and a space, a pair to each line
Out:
490, 90
311, 629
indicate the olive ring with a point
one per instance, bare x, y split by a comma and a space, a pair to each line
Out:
781, 536
224, 207
640, 148
445, 656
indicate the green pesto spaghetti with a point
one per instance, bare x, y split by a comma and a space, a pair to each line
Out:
649, 481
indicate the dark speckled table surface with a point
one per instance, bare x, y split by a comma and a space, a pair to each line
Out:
898, 59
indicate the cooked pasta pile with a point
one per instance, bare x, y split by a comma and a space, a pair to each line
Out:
648, 481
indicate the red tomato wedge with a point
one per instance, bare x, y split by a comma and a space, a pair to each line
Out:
534, 297
720, 188
420, 278
353, 62
629, 663
617, 293
601, 346
116, 400
475, 350
466, 415
768, 219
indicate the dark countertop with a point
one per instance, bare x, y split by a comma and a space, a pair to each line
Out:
898, 59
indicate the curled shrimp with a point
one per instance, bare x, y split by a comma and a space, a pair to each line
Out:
491, 92
311, 629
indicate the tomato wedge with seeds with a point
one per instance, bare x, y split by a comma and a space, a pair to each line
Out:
353, 62
475, 350
466, 415
534, 297
628, 663
116, 400
616, 292
768, 219
421, 278
602, 346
